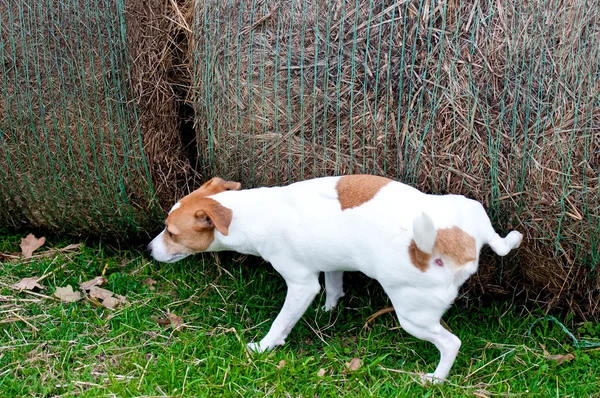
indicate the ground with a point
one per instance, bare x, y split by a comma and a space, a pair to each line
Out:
50, 348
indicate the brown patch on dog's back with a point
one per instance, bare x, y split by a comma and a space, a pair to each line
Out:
457, 244
354, 190
419, 258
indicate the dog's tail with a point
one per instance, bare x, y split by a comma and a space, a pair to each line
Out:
502, 246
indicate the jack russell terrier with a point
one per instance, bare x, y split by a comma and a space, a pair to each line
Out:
421, 248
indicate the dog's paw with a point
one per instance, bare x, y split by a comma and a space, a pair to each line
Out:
254, 347
430, 378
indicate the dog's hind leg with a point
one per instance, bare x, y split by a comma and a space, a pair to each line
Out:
301, 292
425, 324
334, 288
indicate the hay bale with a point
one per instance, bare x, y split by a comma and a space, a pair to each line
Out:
497, 101
86, 117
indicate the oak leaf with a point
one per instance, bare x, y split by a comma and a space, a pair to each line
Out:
66, 294
27, 284
99, 293
150, 283
97, 281
354, 364
30, 243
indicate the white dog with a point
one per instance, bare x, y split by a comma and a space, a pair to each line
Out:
421, 248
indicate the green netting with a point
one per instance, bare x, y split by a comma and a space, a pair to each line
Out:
497, 100
71, 156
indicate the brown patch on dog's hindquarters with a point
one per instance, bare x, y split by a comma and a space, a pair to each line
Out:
419, 258
354, 190
456, 244
450, 242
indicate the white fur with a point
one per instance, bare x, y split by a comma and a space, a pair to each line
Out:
302, 231
175, 207
424, 233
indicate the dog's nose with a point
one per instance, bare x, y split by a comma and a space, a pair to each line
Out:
149, 247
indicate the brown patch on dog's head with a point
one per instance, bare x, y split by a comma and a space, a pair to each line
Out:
215, 186
191, 227
451, 244
354, 190
191, 224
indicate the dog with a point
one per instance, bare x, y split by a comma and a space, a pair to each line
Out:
421, 248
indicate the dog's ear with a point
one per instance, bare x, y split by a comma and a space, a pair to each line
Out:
213, 215
219, 185
232, 185
424, 233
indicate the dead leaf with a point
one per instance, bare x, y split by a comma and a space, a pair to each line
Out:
354, 364
110, 303
27, 284
176, 321
558, 357
281, 364
321, 372
150, 283
66, 294
171, 319
120, 298
30, 243
97, 281
99, 293
161, 321
561, 358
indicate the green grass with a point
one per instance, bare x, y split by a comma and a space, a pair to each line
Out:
50, 349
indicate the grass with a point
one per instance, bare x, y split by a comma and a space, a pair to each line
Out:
49, 348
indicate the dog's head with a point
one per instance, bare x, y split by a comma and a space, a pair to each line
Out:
191, 223
451, 248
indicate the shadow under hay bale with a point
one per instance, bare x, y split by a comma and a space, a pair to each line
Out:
496, 101
88, 125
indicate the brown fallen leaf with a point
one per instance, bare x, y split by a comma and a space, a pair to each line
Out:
321, 372
558, 357
30, 243
354, 364
161, 321
561, 358
150, 283
99, 293
27, 284
66, 294
281, 364
110, 302
120, 298
176, 321
97, 281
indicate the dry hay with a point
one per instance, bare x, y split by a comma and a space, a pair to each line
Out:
494, 100
78, 105
152, 30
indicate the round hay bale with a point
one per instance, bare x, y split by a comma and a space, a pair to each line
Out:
496, 101
89, 128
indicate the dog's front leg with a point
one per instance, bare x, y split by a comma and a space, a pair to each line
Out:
300, 293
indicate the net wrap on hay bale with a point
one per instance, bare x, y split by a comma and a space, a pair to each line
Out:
81, 115
498, 101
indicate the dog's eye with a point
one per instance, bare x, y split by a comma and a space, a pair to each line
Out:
169, 232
